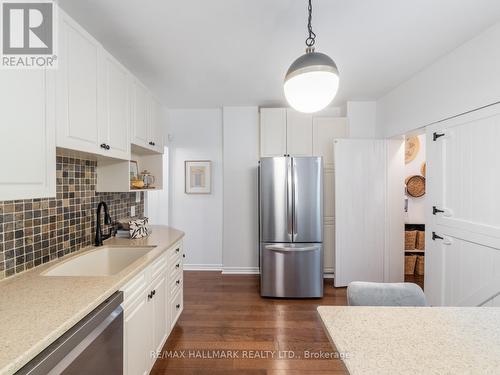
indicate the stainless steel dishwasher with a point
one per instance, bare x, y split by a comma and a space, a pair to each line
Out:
93, 346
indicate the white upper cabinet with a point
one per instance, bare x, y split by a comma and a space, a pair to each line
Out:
77, 85
140, 124
147, 119
27, 135
114, 112
285, 132
299, 133
156, 123
272, 132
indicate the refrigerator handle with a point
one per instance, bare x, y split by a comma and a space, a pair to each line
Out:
294, 190
289, 198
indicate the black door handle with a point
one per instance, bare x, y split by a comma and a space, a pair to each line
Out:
436, 210
436, 237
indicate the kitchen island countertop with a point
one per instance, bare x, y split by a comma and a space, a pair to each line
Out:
415, 340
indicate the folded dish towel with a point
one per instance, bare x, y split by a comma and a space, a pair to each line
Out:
138, 228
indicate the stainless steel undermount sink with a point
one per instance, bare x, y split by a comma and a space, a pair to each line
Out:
103, 261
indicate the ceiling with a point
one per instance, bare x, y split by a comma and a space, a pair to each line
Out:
205, 53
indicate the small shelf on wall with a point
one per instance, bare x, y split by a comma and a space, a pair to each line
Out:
114, 175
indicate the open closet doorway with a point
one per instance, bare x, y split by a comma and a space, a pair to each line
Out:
415, 188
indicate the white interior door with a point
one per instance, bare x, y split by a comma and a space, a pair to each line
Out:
368, 240
463, 262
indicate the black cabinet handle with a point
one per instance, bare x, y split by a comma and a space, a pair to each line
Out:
103, 145
178, 306
183, 255
178, 282
152, 143
177, 250
150, 295
108, 147
177, 265
153, 292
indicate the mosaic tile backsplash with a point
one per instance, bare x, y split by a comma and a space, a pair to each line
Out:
36, 231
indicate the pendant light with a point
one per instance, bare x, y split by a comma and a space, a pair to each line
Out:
312, 80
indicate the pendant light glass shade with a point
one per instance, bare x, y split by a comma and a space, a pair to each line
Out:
311, 82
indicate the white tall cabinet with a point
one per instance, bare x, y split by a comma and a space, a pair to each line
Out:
325, 130
284, 131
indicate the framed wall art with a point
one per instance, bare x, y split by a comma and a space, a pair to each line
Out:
198, 179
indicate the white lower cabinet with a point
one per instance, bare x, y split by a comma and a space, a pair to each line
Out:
152, 305
137, 337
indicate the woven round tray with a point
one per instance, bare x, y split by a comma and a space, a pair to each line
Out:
415, 186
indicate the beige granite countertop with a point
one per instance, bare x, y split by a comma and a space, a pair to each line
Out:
35, 310
415, 340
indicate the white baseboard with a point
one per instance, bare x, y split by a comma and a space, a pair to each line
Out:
240, 271
235, 270
202, 267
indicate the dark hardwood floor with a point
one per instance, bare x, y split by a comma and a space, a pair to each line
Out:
224, 316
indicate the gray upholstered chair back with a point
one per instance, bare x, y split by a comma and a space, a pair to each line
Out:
385, 294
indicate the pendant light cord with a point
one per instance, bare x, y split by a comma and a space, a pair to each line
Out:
312, 36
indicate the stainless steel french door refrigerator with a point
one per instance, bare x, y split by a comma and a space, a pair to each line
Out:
291, 227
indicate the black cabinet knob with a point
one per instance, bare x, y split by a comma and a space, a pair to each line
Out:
153, 292
152, 143
177, 265
183, 255
108, 147
178, 306
178, 282
103, 145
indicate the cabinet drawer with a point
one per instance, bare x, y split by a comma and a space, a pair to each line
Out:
159, 266
176, 266
176, 281
176, 252
134, 289
176, 307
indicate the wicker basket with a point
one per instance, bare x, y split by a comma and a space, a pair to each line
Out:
420, 267
410, 239
420, 240
410, 261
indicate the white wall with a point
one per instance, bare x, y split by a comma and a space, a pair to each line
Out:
462, 80
416, 206
362, 118
196, 134
241, 148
